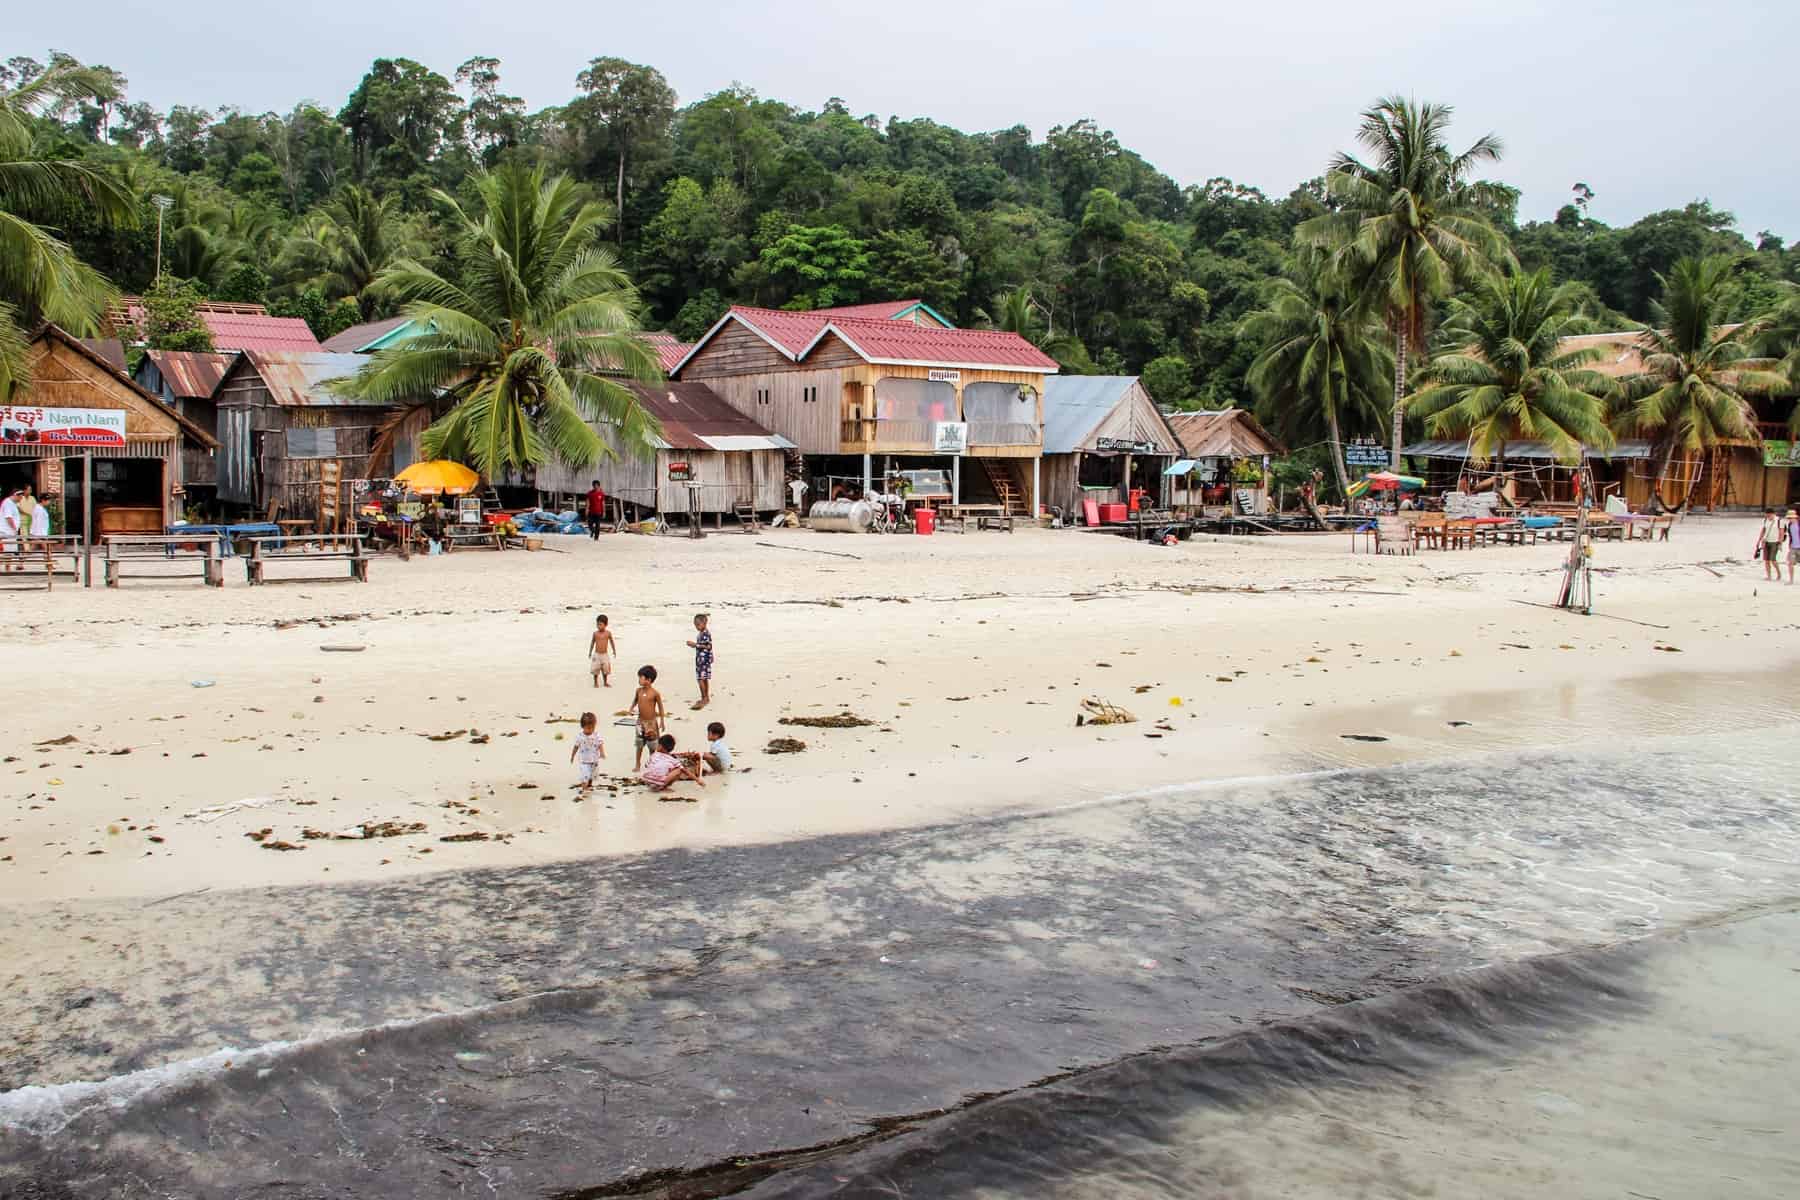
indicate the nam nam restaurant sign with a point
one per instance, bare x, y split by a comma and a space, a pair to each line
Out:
87, 427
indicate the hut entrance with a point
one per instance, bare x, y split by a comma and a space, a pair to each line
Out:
128, 495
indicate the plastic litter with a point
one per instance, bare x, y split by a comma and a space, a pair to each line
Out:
201, 683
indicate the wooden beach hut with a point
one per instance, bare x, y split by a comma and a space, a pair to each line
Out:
889, 382
137, 485
1223, 463
287, 440
1103, 437
730, 458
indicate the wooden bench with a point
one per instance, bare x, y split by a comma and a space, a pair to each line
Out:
483, 537
994, 521
124, 549
22, 568
330, 547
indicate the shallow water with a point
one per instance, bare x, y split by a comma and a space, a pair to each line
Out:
1662, 1069
637, 1024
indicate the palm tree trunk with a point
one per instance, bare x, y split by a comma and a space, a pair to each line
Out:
1662, 473
1337, 453
1399, 394
619, 217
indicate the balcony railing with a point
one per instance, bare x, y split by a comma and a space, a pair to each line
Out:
1002, 433
897, 435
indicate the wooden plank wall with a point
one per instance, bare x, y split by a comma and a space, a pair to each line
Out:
734, 350
815, 426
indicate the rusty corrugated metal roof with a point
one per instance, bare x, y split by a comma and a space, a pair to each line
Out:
297, 380
668, 348
691, 413
190, 374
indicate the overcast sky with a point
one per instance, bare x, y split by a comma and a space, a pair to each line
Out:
1653, 103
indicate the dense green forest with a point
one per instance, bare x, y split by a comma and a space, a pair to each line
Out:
1074, 240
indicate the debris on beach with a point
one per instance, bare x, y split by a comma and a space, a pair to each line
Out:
64, 740
844, 720
1362, 737
449, 735
257, 835
474, 835
1668, 649
336, 649
784, 745
1101, 712
281, 846
365, 831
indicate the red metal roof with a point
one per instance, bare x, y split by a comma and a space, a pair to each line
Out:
792, 331
234, 331
667, 348
883, 310
233, 326
904, 342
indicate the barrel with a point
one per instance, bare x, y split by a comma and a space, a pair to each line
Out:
841, 516
924, 521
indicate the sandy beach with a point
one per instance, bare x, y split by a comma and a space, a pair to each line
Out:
969, 656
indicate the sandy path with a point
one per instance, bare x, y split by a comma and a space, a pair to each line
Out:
970, 654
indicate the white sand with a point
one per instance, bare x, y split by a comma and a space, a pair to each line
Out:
970, 654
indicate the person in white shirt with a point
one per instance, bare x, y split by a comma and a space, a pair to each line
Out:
716, 759
587, 751
40, 526
9, 527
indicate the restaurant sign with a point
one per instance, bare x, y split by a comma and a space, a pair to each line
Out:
1365, 452
937, 376
62, 426
680, 472
1127, 446
950, 437
1781, 454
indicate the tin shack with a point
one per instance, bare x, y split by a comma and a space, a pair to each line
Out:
728, 457
289, 445
1103, 439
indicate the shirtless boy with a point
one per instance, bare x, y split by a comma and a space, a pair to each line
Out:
647, 707
601, 648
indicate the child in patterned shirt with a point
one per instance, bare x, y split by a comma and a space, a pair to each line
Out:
587, 751
703, 660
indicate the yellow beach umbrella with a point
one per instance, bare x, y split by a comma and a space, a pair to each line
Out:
439, 477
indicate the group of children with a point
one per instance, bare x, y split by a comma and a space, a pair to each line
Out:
666, 765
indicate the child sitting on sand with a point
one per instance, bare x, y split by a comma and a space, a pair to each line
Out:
665, 768
717, 755
587, 751
647, 707
600, 652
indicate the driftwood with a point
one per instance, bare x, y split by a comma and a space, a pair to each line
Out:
809, 550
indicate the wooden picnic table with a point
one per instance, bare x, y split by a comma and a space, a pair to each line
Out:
330, 547
123, 549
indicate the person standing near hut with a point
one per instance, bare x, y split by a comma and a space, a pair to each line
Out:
596, 510
1792, 526
9, 528
40, 531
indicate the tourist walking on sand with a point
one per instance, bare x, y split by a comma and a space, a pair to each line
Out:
702, 646
1772, 535
596, 510
600, 652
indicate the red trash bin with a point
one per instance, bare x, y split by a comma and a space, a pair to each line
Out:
924, 521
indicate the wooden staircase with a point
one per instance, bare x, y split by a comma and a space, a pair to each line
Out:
1006, 486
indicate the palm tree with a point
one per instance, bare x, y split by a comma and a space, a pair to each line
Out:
40, 277
1321, 360
532, 340
1410, 225
1777, 336
1692, 393
351, 241
1507, 377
